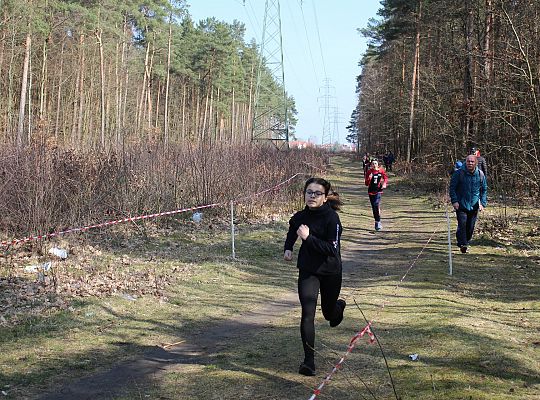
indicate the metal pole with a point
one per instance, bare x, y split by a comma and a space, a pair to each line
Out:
232, 230
449, 244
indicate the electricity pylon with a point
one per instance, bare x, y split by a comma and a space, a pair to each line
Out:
328, 136
271, 120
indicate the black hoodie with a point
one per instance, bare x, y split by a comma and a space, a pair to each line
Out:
320, 252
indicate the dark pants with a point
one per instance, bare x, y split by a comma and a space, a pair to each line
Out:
308, 292
466, 221
375, 200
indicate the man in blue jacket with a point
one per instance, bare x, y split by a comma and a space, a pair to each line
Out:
468, 194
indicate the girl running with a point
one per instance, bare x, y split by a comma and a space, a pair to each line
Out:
319, 262
376, 181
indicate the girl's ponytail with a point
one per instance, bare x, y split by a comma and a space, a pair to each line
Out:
334, 201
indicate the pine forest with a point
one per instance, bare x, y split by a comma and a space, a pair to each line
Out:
440, 77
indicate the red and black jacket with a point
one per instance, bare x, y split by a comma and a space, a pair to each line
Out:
375, 180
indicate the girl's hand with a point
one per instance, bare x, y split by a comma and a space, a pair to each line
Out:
303, 231
287, 256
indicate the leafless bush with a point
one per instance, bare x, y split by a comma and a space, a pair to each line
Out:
45, 188
424, 176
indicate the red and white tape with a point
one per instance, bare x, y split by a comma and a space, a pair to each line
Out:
367, 328
141, 217
350, 348
103, 224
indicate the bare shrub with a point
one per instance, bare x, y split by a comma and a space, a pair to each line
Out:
46, 188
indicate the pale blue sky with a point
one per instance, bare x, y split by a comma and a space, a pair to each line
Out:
320, 40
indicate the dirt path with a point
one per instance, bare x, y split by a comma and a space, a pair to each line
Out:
200, 348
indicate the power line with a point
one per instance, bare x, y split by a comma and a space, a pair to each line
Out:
319, 37
257, 29
308, 43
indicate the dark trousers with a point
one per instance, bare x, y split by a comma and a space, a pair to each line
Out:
308, 292
466, 221
375, 200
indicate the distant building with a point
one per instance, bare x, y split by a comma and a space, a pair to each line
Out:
300, 144
336, 147
348, 147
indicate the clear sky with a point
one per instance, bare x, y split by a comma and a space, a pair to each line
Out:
322, 48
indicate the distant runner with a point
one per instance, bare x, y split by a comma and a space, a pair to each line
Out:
376, 181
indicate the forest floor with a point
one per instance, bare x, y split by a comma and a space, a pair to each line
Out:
173, 316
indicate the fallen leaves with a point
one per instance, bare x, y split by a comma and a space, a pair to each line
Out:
23, 294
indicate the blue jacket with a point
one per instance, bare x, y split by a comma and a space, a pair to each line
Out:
468, 188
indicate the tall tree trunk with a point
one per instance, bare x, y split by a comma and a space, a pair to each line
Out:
149, 102
119, 82
124, 103
118, 65
196, 117
158, 101
42, 94
29, 126
140, 108
488, 42
24, 83
59, 90
249, 123
413, 82
233, 117
80, 95
205, 115
184, 105
167, 85
3, 31
468, 74
98, 33
10, 117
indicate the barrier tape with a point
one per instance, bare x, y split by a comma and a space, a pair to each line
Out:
270, 189
103, 224
350, 348
8, 243
366, 329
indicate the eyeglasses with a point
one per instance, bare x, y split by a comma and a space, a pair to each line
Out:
310, 193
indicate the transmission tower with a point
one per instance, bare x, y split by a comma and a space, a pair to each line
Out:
271, 120
336, 120
327, 100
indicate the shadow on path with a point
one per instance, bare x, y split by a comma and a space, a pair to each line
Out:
197, 349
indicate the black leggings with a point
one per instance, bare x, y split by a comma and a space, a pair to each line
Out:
375, 200
308, 291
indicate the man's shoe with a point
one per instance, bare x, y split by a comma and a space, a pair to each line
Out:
378, 226
463, 249
306, 370
335, 322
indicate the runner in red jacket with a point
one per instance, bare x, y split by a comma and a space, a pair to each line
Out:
376, 181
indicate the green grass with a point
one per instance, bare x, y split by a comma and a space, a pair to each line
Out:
476, 332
